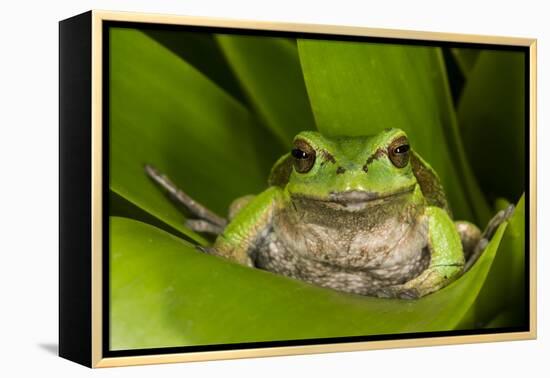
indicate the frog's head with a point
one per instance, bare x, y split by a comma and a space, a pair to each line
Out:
347, 172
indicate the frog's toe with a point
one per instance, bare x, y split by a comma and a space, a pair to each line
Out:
398, 291
204, 226
203, 249
409, 294
499, 218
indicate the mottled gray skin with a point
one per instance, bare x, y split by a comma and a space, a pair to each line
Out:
386, 243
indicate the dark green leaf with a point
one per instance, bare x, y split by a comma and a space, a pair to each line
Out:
165, 112
492, 122
466, 59
166, 293
202, 52
270, 73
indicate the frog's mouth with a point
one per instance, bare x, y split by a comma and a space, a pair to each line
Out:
357, 200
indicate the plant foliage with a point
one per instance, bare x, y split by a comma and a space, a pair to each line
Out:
214, 112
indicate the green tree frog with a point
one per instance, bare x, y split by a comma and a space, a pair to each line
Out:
364, 215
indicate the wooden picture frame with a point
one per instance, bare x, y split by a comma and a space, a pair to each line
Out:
92, 102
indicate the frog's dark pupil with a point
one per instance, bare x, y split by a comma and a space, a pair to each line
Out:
299, 154
402, 149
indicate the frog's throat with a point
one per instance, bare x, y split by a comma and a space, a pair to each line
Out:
355, 200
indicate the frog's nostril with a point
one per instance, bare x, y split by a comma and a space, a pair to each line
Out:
365, 168
340, 170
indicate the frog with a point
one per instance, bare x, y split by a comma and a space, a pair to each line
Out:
365, 215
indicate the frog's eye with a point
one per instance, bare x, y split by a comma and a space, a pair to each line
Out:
398, 151
304, 156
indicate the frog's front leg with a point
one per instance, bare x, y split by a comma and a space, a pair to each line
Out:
238, 239
204, 219
446, 262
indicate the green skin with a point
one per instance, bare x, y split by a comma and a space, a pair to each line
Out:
354, 221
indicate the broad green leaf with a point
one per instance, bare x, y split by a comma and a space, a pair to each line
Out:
163, 111
201, 51
165, 293
466, 59
504, 289
121, 207
501, 300
491, 114
270, 73
358, 88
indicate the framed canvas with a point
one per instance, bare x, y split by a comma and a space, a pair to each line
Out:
234, 188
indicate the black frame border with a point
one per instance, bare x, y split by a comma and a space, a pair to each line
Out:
75, 182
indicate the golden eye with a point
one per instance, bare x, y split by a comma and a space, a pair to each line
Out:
304, 156
398, 152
